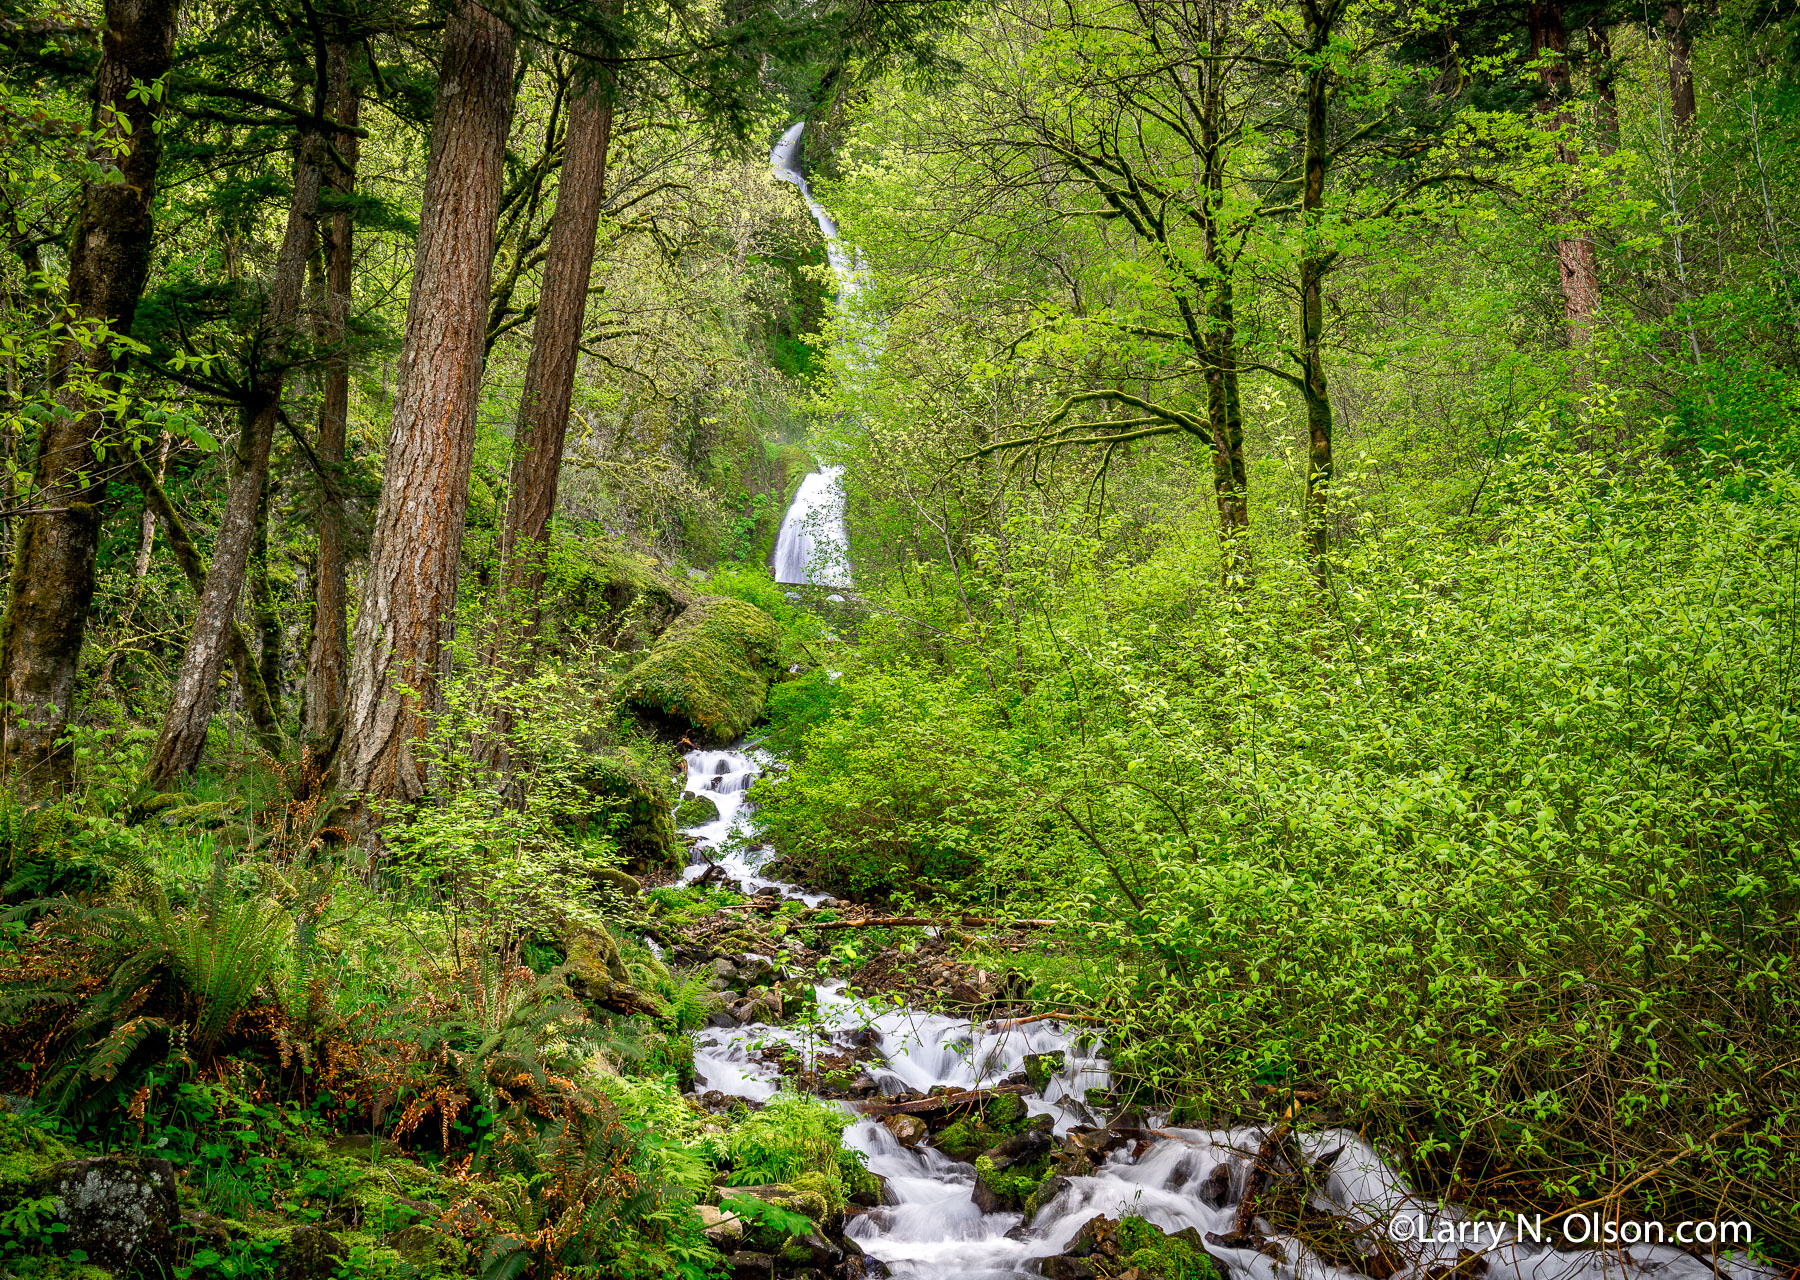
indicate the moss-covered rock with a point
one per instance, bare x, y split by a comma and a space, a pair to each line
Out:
627, 596
695, 811
621, 796
708, 675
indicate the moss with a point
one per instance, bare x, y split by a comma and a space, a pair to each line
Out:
27, 1153
1014, 1187
627, 598
1168, 1257
966, 1139
695, 812
623, 798
708, 675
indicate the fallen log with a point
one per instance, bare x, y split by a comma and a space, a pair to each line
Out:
944, 1101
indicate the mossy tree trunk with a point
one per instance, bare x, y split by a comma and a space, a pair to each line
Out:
52, 581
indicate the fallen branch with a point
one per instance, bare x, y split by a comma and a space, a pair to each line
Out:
944, 1101
1014, 1023
886, 922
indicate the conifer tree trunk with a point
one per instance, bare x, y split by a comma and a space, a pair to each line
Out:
1576, 266
183, 737
1681, 63
52, 580
408, 596
555, 346
328, 656
262, 600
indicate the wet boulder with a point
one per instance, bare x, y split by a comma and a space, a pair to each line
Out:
1039, 1067
909, 1131
695, 811
1008, 1176
1113, 1248
707, 676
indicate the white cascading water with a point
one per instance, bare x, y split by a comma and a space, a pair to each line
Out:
931, 1228
811, 547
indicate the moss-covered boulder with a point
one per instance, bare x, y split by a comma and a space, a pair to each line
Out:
620, 796
695, 811
708, 675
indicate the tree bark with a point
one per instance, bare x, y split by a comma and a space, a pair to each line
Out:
1606, 90
183, 737
408, 596
262, 601
1224, 406
1315, 262
52, 581
193, 567
550, 373
1578, 273
328, 657
1681, 62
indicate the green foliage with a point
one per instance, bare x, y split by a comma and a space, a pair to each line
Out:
1147, 1247
790, 1137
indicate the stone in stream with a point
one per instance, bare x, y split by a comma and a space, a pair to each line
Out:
1215, 1192
695, 812
1039, 1067
909, 1131
1104, 1247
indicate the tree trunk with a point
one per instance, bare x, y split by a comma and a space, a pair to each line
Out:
409, 593
1606, 89
262, 601
1681, 62
1224, 406
193, 567
328, 658
550, 373
1315, 263
183, 737
1577, 270
140, 565
52, 581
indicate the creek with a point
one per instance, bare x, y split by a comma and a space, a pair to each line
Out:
930, 1227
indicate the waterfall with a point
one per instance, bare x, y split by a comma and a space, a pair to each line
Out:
812, 546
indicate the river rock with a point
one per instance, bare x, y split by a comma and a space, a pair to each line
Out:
1039, 1067
812, 1250
1215, 1192
119, 1210
695, 812
910, 1131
